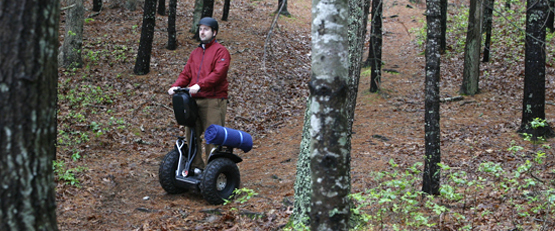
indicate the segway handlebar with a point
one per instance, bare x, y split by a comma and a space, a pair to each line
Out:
182, 89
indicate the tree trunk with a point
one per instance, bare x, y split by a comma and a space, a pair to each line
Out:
97, 5
329, 130
551, 16
70, 51
443, 44
375, 52
207, 8
471, 72
131, 5
282, 8
303, 184
172, 33
357, 37
28, 104
431, 174
162, 7
533, 103
358, 22
197, 14
142, 64
225, 14
488, 21
303, 181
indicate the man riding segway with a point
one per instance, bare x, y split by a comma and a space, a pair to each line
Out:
199, 97
206, 76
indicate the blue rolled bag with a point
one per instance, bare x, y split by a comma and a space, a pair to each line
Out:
218, 135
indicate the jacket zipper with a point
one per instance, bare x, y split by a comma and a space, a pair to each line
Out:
201, 61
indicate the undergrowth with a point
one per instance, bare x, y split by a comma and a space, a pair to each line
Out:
85, 113
476, 198
479, 197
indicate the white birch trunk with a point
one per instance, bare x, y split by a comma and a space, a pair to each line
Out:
329, 123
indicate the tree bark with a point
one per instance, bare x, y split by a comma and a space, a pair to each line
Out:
488, 21
358, 21
172, 33
329, 130
197, 13
359, 11
301, 216
97, 5
551, 16
28, 100
533, 103
471, 72
303, 181
225, 14
142, 64
375, 52
443, 44
206, 10
161, 7
283, 9
70, 51
131, 5
431, 174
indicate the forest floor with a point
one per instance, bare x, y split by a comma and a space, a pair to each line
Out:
115, 127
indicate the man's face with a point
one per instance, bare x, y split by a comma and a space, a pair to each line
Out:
206, 33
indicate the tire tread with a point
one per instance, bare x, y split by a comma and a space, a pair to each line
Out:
166, 173
209, 176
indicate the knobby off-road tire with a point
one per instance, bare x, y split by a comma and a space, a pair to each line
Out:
166, 173
220, 178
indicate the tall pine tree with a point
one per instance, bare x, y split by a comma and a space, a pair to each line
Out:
142, 64
431, 174
28, 106
533, 102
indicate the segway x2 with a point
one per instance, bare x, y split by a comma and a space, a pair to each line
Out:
220, 177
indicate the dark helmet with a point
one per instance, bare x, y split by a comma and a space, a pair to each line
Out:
208, 21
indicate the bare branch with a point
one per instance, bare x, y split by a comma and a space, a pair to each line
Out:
269, 36
448, 99
67, 7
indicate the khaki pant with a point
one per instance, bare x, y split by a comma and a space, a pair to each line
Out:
210, 111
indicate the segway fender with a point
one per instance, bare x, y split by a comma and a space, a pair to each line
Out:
231, 156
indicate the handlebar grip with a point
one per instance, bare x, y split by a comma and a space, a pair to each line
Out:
182, 89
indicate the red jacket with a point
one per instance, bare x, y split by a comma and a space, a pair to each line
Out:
207, 67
